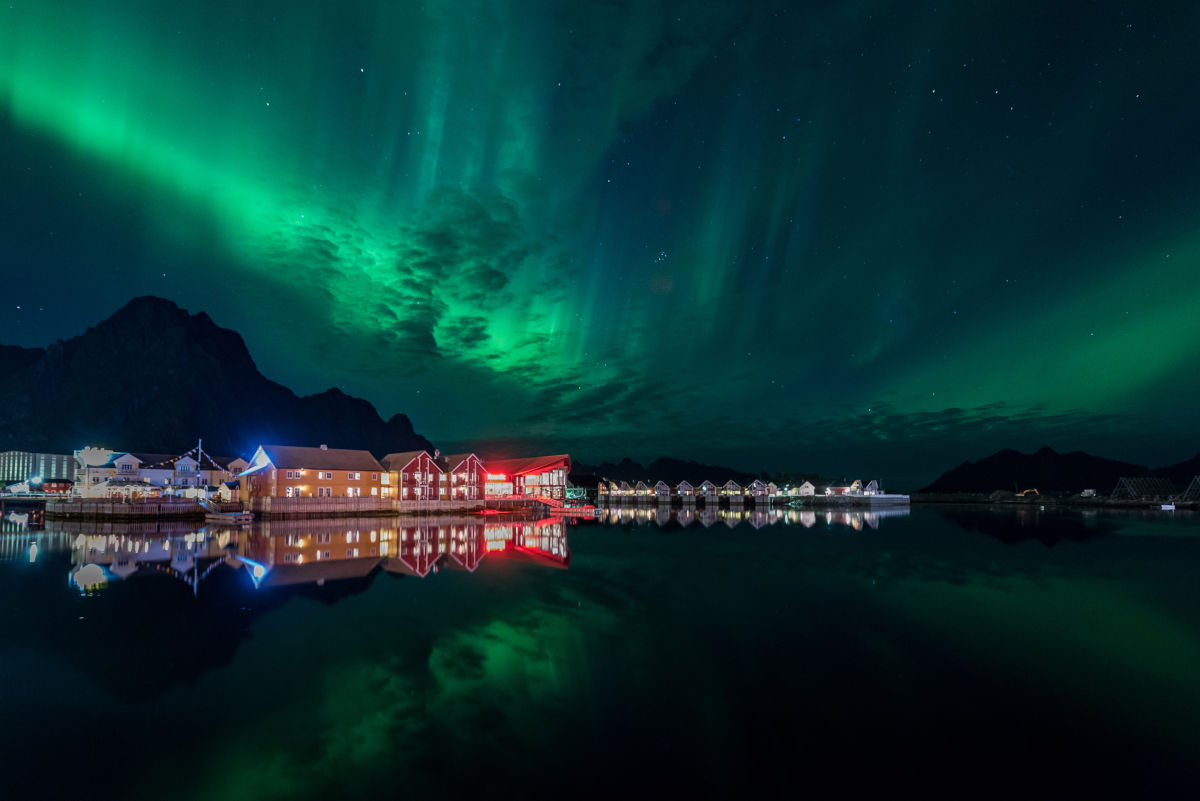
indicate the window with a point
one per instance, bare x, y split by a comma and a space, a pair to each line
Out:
354, 492
324, 492
292, 492
374, 476
184, 468
325, 554
404, 476
324, 538
183, 482
351, 553
290, 475
354, 476
374, 490
384, 480
293, 558
291, 539
126, 467
324, 475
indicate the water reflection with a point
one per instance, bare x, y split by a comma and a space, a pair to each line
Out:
685, 516
304, 552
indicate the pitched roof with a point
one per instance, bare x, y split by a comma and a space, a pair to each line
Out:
449, 461
532, 464
291, 456
399, 461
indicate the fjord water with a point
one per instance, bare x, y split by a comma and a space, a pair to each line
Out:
963, 652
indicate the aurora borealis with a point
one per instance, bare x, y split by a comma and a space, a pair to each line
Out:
864, 237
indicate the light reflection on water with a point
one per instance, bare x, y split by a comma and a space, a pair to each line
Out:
686, 645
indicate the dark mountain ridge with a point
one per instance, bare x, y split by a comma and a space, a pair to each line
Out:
1050, 471
154, 378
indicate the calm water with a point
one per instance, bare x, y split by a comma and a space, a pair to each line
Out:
963, 651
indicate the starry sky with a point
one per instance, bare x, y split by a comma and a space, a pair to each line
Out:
853, 237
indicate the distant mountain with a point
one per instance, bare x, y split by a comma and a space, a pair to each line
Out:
665, 469
154, 378
1045, 470
1181, 474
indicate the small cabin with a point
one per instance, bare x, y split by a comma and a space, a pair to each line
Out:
872, 488
684, 490
757, 489
708, 489
805, 489
731, 487
662, 490
642, 489
624, 489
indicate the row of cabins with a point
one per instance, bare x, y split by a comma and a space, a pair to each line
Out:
285, 471
662, 491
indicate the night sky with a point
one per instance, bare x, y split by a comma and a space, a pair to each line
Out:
870, 238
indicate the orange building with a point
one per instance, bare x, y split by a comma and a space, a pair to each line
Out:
416, 476
286, 471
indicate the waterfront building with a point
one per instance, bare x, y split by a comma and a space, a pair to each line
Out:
191, 473
872, 488
467, 476
772, 489
1192, 493
730, 488
288, 471
804, 490
535, 475
642, 489
102, 473
415, 476
1144, 489
662, 491
624, 490
708, 490
18, 466
757, 489
685, 490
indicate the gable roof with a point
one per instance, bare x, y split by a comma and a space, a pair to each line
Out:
292, 456
452, 460
532, 464
399, 461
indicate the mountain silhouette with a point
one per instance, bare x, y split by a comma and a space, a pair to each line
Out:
1046, 470
153, 377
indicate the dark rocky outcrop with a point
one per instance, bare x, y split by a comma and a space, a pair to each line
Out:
154, 378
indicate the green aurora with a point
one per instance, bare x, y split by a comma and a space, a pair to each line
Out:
840, 237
